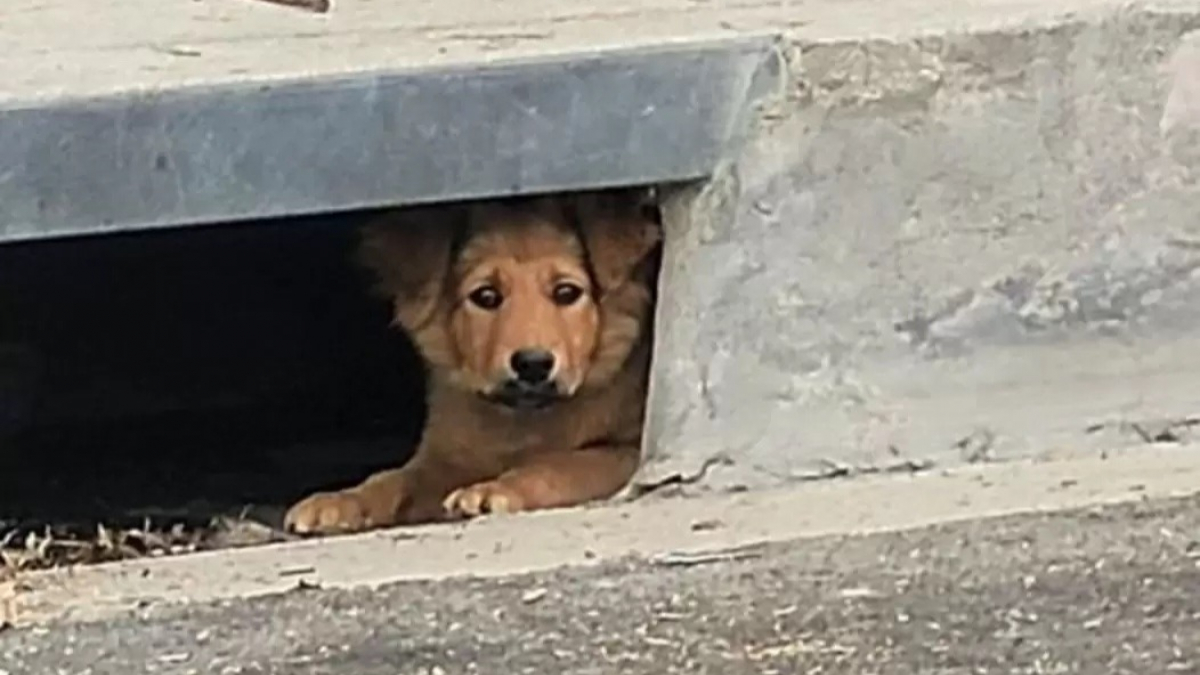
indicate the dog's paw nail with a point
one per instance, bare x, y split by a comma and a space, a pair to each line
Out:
500, 503
481, 499
326, 513
463, 502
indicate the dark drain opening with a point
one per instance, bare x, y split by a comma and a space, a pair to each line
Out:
183, 374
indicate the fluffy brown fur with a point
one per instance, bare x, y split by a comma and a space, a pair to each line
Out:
569, 276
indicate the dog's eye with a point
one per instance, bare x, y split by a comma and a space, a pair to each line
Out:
567, 294
486, 297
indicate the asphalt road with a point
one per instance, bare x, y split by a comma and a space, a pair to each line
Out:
1103, 591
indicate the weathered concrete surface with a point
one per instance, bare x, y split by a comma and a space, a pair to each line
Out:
977, 244
1101, 591
79, 49
503, 546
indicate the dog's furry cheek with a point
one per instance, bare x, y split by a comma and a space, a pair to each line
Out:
413, 314
625, 316
617, 339
434, 343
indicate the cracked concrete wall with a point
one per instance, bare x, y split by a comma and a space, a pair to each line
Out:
945, 249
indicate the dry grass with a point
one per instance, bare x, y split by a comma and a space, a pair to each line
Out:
53, 546
25, 548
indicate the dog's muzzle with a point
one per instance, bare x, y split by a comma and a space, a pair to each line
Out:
520, 395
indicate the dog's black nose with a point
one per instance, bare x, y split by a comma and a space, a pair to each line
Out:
532, 366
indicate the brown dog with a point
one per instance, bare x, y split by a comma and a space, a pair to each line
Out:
534, 319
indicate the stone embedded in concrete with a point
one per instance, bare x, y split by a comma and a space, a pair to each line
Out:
960, 247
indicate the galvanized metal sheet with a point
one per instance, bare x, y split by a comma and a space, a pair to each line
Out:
221, 153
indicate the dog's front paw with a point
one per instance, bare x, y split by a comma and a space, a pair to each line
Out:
329, 513
487, 497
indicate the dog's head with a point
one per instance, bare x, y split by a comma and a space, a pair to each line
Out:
523, 302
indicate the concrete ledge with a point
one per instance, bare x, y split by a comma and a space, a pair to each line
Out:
233, 150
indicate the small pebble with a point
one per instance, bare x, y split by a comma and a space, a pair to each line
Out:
532, 596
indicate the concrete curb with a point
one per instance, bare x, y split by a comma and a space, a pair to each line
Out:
654, 527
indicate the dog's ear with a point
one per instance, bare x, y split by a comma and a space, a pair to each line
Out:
619, 228
409, 251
